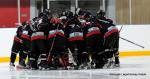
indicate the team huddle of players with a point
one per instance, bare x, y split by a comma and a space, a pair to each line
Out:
66, 40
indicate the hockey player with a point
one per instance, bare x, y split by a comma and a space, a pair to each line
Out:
74, 34
111, 44
93, 40
110, 38
17, 46
38, 42
26, 47
57, 43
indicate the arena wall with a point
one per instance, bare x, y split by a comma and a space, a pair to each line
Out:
136, 33
9, 12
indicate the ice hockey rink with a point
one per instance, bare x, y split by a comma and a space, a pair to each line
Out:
137, 67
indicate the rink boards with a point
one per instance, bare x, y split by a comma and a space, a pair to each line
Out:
138, 34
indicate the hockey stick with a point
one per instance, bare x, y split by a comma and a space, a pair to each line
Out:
129, 40
132, 42
52, 45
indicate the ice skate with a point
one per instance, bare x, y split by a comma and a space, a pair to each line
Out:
117, 65
28, 65
11, 66
91, 65
33, 64
112, 64
117, 62
43, 65
84, 66
108, 63
21, 65
81, 66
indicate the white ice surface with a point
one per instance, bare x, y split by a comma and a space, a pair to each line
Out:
131, 68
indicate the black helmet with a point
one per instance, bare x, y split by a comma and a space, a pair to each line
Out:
101, 13
47, 11
69, 14
41, 15
87, 15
